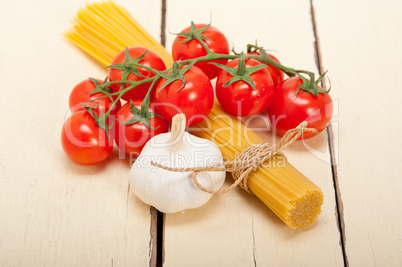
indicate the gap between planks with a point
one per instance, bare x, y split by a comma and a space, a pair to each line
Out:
153, 242
156, 248
338, 199
157, 238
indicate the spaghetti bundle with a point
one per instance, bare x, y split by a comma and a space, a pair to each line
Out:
102, 30
287, 192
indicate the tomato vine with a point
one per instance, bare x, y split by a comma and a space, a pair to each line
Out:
131, 65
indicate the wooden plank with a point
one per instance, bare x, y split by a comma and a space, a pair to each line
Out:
54, 212
236, 229
360, 47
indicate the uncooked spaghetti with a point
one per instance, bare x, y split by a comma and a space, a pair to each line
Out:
104, 29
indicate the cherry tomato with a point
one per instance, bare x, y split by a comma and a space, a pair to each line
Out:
239, 98
289, 109
216, 42
151, 60
83, 141
195, 99
132, 138
80, 94
276, 74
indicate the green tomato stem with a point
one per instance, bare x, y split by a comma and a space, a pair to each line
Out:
122, 92
210, 56
147, 98
204, 45
267, 59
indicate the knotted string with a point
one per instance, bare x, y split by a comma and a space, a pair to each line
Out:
248, 160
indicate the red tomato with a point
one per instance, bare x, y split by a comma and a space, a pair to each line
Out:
83, 141
195, 99
217, 43
151, 60
239, 98
289, 109
80, 94
276, 74
132, 138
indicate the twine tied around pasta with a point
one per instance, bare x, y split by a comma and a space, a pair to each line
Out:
248, 160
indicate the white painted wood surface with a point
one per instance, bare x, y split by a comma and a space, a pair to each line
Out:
361, 46
52, 211
236, 229
56, 213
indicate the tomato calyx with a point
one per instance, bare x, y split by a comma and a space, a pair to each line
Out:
140, 115
99, 120
130, 65
100, 88
241, 73
177, 73
311, 86
143, 114
194, 33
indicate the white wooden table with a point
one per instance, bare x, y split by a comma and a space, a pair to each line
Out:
56, 213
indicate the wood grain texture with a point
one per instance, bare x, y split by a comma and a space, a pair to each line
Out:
54, 212
236, 229
360, 47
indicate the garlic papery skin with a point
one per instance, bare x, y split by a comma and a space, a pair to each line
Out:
169, 191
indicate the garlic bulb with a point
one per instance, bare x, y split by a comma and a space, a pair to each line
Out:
169, 191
